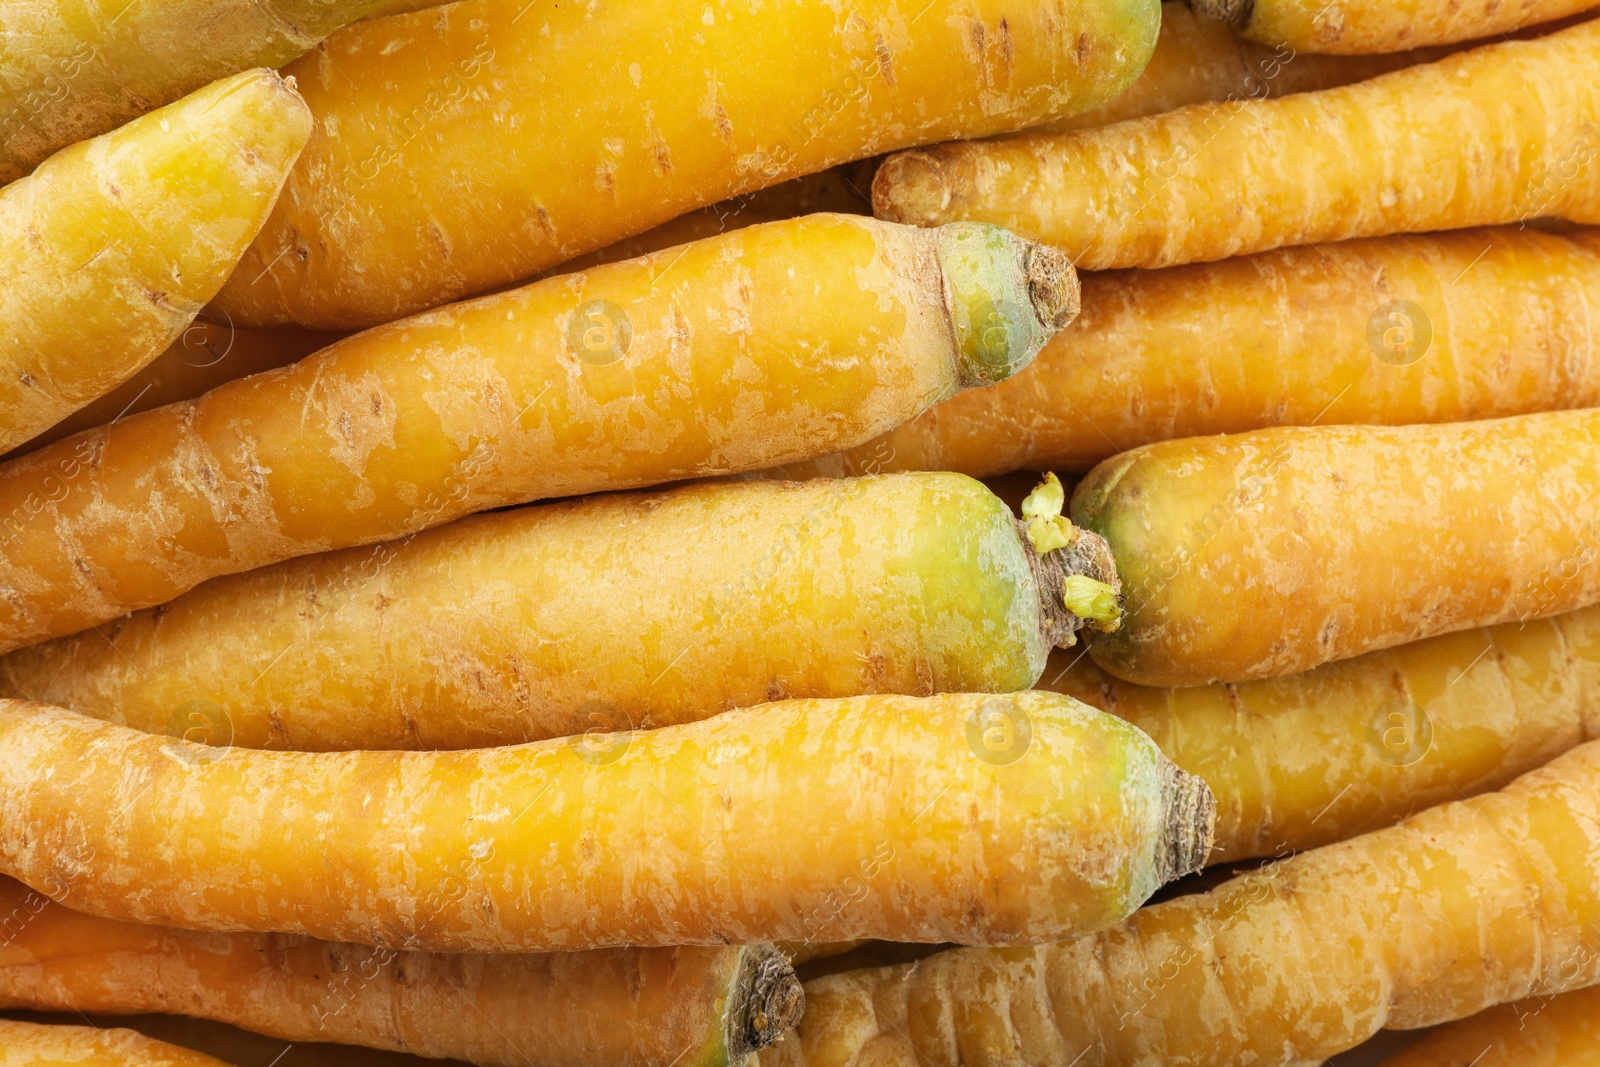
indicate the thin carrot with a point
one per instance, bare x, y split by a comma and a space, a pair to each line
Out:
37, 1045
618, 611
757, 347
1403, 329
1348, 27
696, 1007
1466, 905
510, 137
1498, 134
1542, 1031
109, 250
1272, 552
1314, 758
968, 818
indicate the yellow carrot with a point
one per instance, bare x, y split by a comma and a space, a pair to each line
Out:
467, 146
1272, 552
967, 818
1542, 1031
761, 346
1318, 757
1466, 905
1498, 134
37, 1045
695, 1007
1353, 27
69, 74
618, 611
1402, 329
110, 249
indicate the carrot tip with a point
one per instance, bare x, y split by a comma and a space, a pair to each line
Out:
1189, 829
1236, 13
769, 1001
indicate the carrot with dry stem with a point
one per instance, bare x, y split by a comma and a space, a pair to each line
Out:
757, 347
618, 611
1318, 757
1466, 905
1542, 1031
1498, 134
1355, 27
1402, 329
110, 249
38, 1045
968, 818
1272, 552
696, 1007
456, 125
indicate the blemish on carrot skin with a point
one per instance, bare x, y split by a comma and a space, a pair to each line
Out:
1085, 46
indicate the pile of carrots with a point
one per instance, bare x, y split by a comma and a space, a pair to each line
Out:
539, 534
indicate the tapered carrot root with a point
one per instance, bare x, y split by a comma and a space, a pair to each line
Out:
1356, 27
38, 1045
968, 818
203, 357
109, 250
1275, 551
456, 124
762, 346
1464, 906
1398, 330
614, 612
1322, 756
1549, 1031
1390, 155
696, 1007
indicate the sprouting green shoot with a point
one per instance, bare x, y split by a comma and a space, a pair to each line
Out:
1047, 530
1092, 600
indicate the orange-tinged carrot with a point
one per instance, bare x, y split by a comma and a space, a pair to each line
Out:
1542, 1031
1272, 552
1503, 133
464, 147
109, 250
37, 1045
964, 817
762, 346
696, 1007
1354, 27
1466, 905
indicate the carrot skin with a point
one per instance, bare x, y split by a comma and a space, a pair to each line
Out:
25, 1044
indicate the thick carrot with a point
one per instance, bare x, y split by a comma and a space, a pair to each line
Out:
1542, 1031
1275, 551
757, 347
37, 1045
608, 613
966, 818
203, 357
1355, 27
1401, 329
468, 146
695, 1007
1322, 756
1497, 134
69, 75
109, 250
1466, 905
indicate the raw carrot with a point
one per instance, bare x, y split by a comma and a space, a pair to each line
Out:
1402, 329
966, 818
613, 612
696, 1007
757, 347
467, 146
1498, 134
1275, 551
202, 358
1322, 756
37, 1045
1542, 1031
1464, 906
1354, 27
67, 75
110, 249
